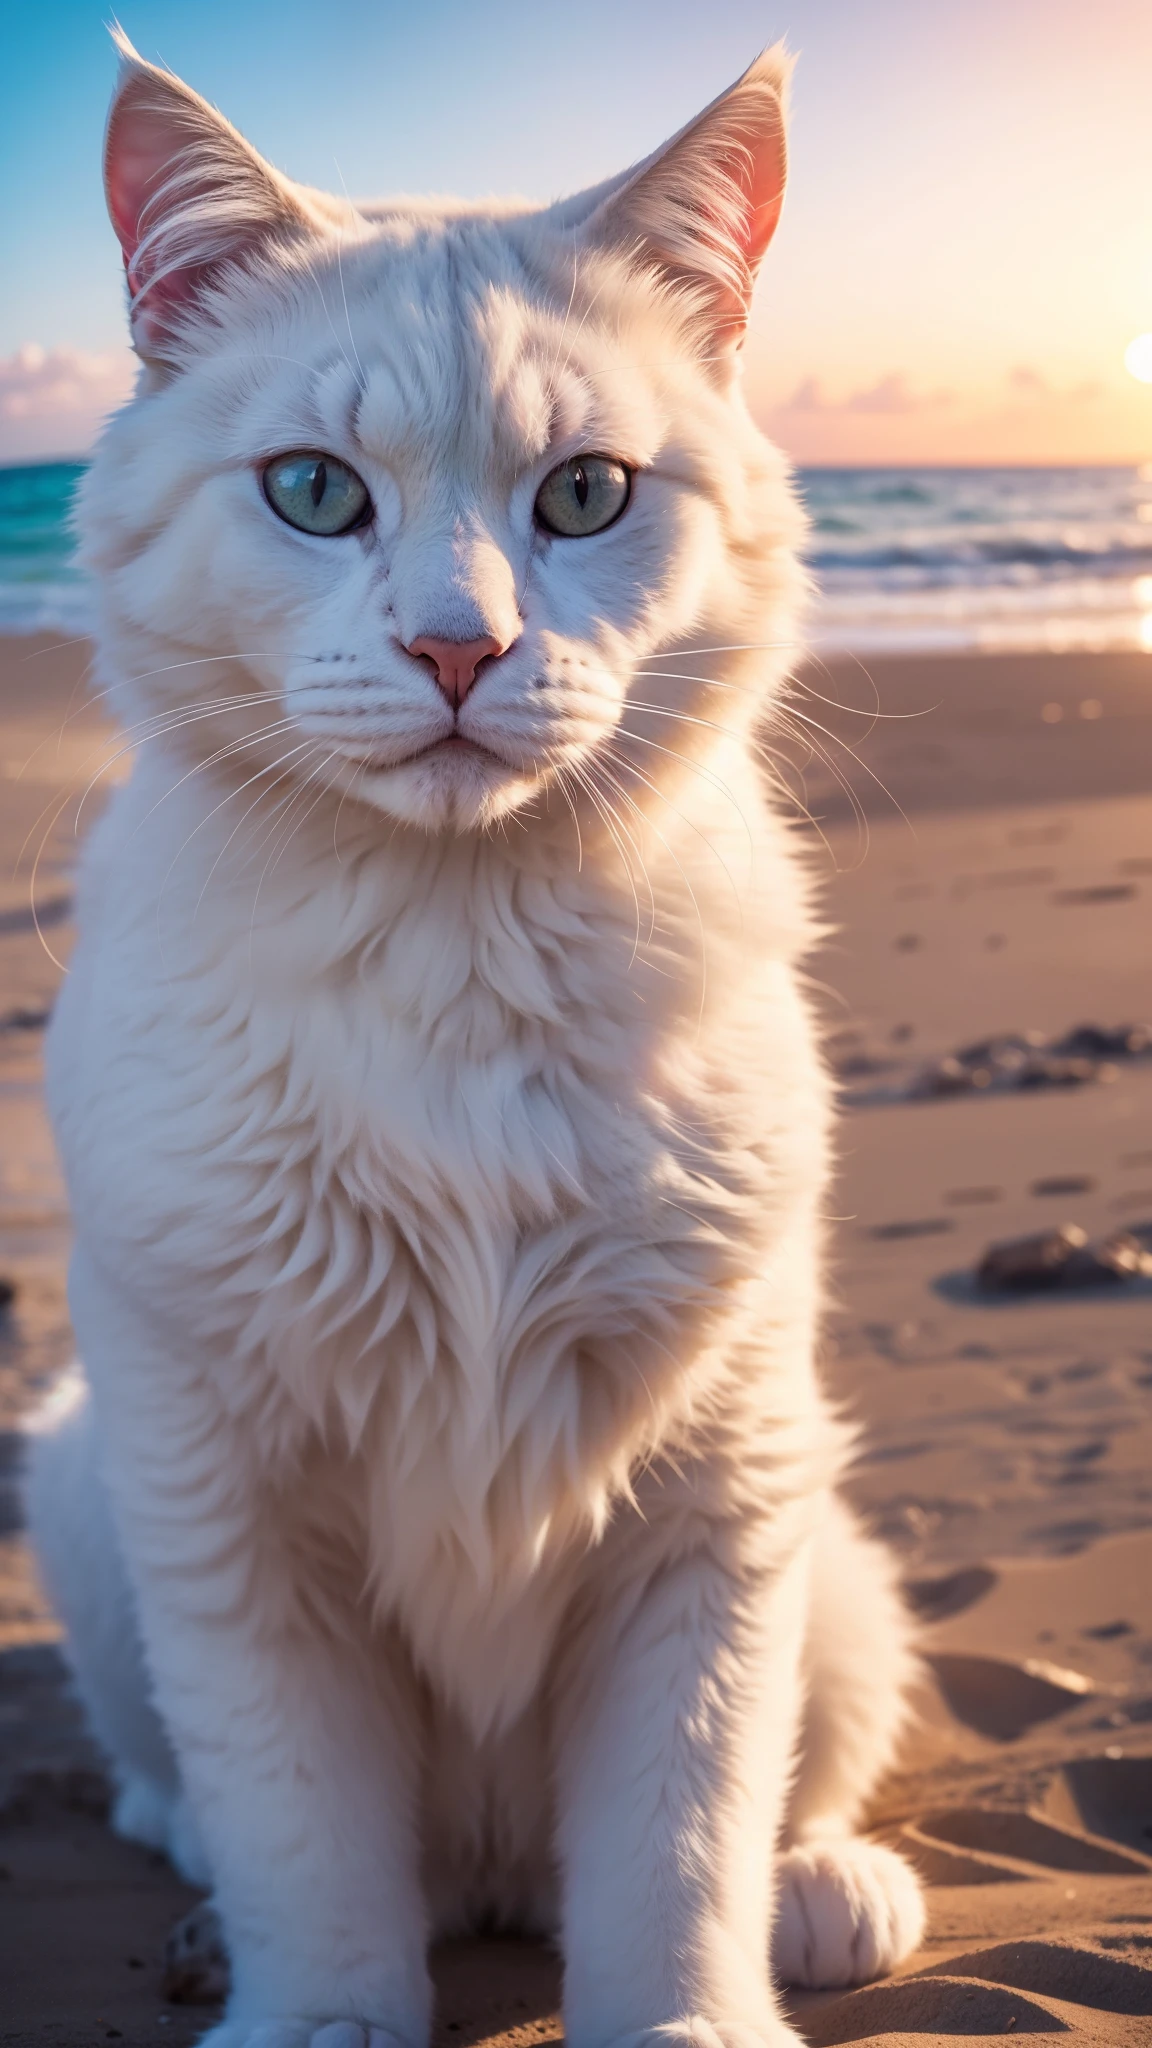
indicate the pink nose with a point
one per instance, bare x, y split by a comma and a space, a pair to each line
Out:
455, 662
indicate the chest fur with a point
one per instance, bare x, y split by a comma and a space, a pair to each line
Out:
456, 1198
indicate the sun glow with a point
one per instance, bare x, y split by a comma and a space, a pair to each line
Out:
1138, 358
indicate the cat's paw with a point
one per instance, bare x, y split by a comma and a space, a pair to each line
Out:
848, 1911
196, 1966
288, 2031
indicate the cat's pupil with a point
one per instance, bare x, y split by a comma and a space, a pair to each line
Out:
320, 482
580, 485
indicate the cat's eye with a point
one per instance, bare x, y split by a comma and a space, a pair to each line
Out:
583, 496
316, 493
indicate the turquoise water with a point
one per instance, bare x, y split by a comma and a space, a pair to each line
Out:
904, 558
41, 590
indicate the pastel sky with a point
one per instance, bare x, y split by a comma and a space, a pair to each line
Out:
965, 253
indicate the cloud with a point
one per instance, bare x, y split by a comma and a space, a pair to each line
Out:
807, 397
890, 394
38, 382
1027, 382
56, 397
1029, 385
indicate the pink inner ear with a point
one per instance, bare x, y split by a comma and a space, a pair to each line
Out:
765, 179
187, 196
138, 155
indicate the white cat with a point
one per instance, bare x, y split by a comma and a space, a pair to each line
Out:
444, 1125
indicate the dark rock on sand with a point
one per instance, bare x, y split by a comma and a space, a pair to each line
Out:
959, 1075
950, 1077
1027, 1059
1106, 1042
1023, 1264
1052, 1070
24, 1020
1006, 1050
1125, 1255
1062, 1258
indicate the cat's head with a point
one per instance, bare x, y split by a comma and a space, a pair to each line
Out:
415, 499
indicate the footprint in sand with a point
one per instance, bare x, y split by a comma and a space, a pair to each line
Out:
912, 1226
1066, 1970
1100, 892
1017, 1987
928, 2007
938, 1599
1022, 1837
53, 910
1000, 1699
1111, 1796
938, 1863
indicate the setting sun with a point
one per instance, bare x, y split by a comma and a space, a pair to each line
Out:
1138, 358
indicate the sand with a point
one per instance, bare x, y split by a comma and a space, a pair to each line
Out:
999, 882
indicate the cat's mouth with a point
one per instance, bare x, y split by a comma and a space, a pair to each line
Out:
453, 744
453, 780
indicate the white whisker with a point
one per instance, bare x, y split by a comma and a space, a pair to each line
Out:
607, 818
657, 791
340, 273
229, 796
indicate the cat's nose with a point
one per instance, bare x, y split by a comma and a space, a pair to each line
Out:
455, 662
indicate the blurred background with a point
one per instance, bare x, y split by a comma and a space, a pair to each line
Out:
964, 266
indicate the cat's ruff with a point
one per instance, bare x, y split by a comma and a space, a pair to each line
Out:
444, 1125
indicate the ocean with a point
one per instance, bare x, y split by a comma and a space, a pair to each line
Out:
905, 560
981, 560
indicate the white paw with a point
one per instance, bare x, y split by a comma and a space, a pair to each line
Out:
291, 2032
847, 1912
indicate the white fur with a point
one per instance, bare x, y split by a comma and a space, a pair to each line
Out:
447, 1139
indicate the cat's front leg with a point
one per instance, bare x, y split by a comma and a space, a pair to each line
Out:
296, 1734
679, 1705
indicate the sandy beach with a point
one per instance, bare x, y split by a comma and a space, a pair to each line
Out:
985, 838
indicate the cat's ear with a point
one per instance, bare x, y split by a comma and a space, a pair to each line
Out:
703, 209
187, 197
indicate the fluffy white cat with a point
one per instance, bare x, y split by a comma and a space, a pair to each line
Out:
446, 1525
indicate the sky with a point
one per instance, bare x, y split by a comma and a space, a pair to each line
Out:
965, 254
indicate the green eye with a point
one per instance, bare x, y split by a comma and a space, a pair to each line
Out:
316, 493
583, 496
